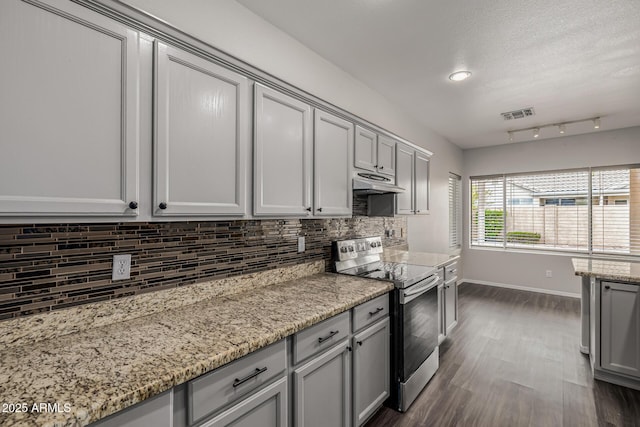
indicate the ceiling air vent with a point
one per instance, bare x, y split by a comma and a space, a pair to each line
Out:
518, 114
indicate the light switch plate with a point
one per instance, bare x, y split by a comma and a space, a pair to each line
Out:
301, 244
121, 267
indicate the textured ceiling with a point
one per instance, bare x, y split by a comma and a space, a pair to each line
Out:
569, 59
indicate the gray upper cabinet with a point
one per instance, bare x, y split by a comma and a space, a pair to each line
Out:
322, 389
620, 328
404, 179
282, 154
69, 113
371, 373
412, 174
421, 188
366, 143
386, 164
333, 145
202, 136
375, 153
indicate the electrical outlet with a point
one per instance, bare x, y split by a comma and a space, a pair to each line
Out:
121, 267
549, 273
301, 244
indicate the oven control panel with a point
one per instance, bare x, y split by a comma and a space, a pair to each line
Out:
357, 248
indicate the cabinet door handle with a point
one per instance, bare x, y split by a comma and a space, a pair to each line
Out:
375, 166
319, 209
133, 205
376, 311
323, 339
607, 287
309, 209
381, 167
417, 211
359, 343
254, 374
162, 206
348, 348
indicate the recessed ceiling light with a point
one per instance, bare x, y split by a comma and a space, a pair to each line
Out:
536, 132
562, 128
596, 123
458, 76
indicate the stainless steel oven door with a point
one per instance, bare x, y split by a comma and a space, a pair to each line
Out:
419, 306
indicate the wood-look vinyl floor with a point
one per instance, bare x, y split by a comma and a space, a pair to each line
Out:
514, 360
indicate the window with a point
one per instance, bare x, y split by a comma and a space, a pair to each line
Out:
455, 211
586, 210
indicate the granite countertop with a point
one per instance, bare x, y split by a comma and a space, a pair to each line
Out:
100, 370
418, 258
627, 271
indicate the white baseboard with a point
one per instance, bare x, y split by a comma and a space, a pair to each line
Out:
522, 288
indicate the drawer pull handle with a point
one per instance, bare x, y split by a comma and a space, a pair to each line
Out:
453, 270
323, 339
607, 287
254, 374
377, 310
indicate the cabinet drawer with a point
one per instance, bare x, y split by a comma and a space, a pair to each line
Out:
320, 337
212, 391
451, 271
370, 311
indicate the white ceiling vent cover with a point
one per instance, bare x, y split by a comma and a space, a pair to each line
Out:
518, 114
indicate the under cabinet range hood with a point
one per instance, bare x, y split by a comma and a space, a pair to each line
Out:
369, 183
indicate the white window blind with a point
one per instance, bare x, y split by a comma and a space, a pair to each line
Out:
455, 211
548, 211
616, 211
587, 210
487, 211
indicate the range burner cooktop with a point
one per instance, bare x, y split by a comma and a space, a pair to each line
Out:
361, 257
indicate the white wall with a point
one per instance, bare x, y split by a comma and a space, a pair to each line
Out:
604, 148
230, 27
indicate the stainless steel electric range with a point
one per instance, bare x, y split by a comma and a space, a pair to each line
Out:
414, 314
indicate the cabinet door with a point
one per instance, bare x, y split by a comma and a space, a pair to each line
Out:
421, 183
322, 390
333, 145
404, 179
156, 411
442, 332
386, 156
69, 112
202, 136
371, 374
266, 408
365, 149
451, 305
282, 149
620, 328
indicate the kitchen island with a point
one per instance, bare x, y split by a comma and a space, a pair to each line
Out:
101, 358
610, 310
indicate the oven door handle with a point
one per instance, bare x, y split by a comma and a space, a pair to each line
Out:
407, 297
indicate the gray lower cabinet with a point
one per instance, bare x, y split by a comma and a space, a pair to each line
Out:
620, 328
448, 300
266, 408
371, 373
322, 389
156, 411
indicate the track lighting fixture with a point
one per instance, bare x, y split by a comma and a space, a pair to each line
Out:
562, 127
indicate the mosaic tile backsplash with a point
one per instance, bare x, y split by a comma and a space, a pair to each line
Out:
53, 266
